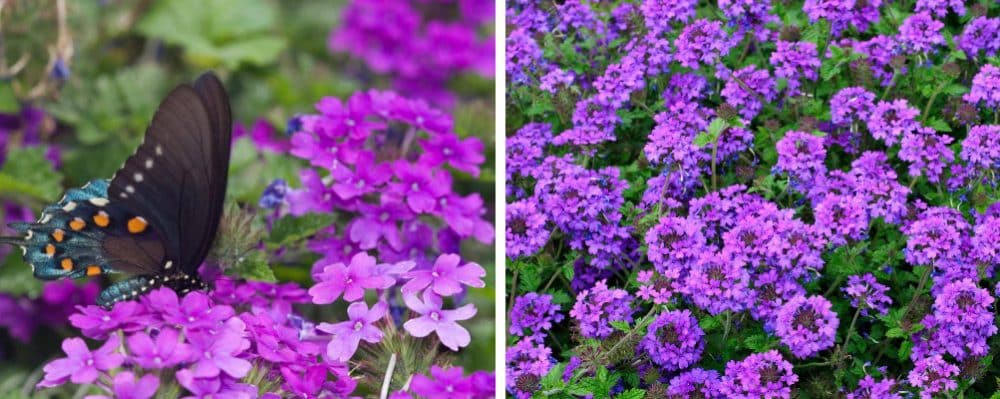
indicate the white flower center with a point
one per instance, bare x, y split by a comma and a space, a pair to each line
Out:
358, 326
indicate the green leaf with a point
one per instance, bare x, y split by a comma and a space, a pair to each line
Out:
896, 332
529, 279
621, 326
702, 140
226, 32
939, 125
292, 229
254, 267
955, 89
633, 393
711, 323
28, 174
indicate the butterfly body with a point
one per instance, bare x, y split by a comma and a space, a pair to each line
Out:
156, 219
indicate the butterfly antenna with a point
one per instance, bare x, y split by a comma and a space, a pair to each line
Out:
18, 241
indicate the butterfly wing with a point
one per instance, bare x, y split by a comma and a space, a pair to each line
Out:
176, 180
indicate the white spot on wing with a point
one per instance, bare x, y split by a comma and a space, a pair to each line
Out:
30, 234
159, 150
99, 201
168, 265
69, 207
130, 189
138, 177
45, 218
149, 163
123, 195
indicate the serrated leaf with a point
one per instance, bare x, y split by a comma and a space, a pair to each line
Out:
621, 326
292, 229
702, 140
529, 279
633, 393
27, 173
896, 332
709, 324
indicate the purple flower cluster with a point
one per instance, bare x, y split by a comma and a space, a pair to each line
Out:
760, 375
673, 340
867, 294
795, 61
806, 325
534, 315
384, 159
933, 375
979, 37
597, 307
985, 87
653, 191
212, 346
419, 50
586, 206
869, 388
959, 325
801, 156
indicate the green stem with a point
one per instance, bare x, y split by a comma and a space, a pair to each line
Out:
850, 330
715, 153
920, 288
513, 291
927, 108
892, 84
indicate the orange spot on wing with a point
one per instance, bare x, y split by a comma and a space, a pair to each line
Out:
50, 249
58, 235
77, 224
102, 219
67, 264
93, 270
137, 225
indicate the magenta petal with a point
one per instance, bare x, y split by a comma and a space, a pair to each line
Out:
420, 327
234, 367
420, 280
471, 274
206, 369
453, 335
147, 387
84, 375
446, 286
326, 292
75, 348
353, 292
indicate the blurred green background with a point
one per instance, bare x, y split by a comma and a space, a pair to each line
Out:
98, 69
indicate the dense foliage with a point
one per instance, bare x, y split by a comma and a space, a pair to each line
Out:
753, 199
355, 254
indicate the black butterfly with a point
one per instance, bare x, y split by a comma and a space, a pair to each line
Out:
157, 217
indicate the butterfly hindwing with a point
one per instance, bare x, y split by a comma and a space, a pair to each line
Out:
69, 240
